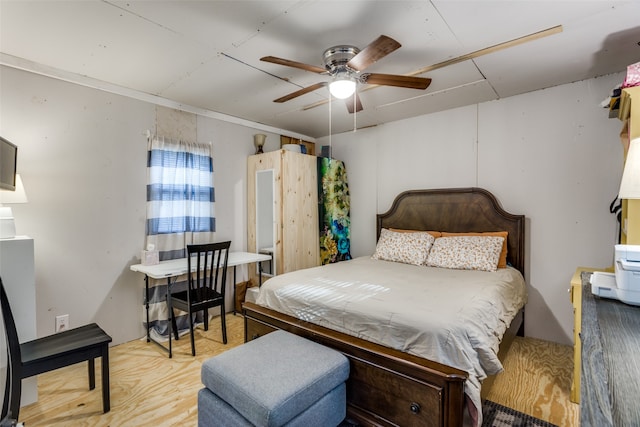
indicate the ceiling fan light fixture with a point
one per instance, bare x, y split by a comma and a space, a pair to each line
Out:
342, 88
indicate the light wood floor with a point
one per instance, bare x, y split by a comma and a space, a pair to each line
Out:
537, 381
149, 389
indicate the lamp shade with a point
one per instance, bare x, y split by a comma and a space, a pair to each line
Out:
630, 184
7, 223
258, 141
16, 196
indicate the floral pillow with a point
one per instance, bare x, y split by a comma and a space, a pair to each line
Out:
502, 262
408, 248
466, 252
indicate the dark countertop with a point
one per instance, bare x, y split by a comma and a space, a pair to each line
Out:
610, 380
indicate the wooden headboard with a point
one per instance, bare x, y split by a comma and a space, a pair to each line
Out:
456, 210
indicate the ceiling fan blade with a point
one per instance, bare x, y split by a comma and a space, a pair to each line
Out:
376, 50
301, 92
353, 103
396, 80
293, 64
490, 49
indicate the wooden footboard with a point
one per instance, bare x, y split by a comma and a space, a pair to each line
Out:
385, 387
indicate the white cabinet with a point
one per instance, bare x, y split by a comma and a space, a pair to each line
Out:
17, 270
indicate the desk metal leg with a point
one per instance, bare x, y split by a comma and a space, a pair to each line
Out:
146, 286
235, 283
149, 339
169, 319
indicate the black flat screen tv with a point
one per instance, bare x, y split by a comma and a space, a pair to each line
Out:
8, 162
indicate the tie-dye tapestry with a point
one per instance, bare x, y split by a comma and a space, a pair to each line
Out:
333, 210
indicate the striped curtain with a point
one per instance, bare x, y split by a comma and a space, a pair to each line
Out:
180, 211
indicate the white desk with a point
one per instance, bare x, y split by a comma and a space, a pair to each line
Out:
171, 269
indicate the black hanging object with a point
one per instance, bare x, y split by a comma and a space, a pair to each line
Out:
616, 208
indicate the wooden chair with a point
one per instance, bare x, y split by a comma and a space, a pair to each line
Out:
52, 352
206, 286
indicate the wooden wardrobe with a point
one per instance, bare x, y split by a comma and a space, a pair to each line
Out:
295, 209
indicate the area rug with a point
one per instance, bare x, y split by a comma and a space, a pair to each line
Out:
495, 415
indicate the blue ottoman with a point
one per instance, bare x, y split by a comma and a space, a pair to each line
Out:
279, 379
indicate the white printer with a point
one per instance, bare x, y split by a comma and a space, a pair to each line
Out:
624, 284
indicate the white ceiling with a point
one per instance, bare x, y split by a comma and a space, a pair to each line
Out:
206, 54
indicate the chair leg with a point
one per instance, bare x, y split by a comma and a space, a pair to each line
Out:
91, 364
224, 323
206, 318
12, 402
106, 392
193, 343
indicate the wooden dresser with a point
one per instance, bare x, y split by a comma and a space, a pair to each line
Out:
610, 383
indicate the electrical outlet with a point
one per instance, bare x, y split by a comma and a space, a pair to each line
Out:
62, 322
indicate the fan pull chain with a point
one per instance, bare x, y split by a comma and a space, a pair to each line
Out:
355, 111
330, 146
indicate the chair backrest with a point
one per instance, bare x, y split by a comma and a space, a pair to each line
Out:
13, 385
211, 261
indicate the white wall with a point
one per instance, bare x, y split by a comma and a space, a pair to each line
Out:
552, 155
82, 157
81, 154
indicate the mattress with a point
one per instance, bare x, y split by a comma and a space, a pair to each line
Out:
455, 317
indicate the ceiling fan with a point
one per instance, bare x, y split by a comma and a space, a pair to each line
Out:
348, 62
345, 64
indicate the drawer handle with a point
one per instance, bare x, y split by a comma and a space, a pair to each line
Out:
415, 407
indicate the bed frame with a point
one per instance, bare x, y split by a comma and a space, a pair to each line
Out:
387, 387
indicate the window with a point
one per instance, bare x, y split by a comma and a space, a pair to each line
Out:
180, 195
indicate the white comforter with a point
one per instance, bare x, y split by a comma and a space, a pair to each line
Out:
456, 317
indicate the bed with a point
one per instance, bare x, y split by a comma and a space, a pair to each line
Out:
391, 383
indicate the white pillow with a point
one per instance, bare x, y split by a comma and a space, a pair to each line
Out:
466, 252
408, 248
